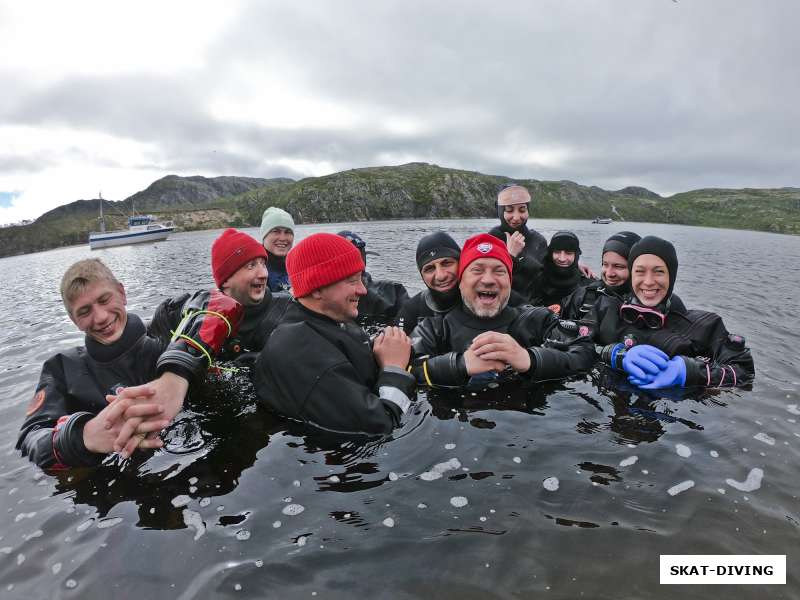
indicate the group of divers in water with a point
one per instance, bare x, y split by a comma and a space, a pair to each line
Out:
506, 307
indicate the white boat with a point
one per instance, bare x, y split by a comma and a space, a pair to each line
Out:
601, 220
141, 228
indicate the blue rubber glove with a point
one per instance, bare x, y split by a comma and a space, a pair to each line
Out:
673, 376
644, 362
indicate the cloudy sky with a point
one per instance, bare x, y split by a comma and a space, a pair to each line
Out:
110, 96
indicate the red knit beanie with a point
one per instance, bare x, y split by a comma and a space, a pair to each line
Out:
319, 260
483, 245
232, 250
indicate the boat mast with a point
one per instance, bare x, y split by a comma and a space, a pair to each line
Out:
102, 220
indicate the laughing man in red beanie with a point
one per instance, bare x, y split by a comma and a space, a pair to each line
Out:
484, 336
239, 267
318, 366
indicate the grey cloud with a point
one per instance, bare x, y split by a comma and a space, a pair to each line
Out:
668, 95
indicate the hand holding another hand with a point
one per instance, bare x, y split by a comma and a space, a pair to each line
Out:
100, 432
392, 348
494, 346
166, 392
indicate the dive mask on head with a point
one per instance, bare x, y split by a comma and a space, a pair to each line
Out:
633, 313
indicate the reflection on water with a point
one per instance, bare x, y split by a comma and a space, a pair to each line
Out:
570, 489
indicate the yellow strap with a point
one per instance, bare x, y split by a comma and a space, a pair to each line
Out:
198, 346
216, 314
190, 315
425, 372
176, 335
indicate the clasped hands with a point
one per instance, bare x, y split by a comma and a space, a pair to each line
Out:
650, 369
493, 351
135, 416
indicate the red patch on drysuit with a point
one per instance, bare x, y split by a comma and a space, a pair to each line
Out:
556, 308
36, 403
583, 331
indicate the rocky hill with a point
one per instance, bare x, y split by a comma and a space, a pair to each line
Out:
415, 190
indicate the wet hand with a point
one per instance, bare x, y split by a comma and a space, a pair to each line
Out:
515, 242
100, 432
495, 346
392, 348
168, 392
475, 364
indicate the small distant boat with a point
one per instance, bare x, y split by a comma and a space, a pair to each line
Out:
601, 221
141, 228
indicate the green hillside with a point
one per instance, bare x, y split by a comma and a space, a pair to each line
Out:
411, 191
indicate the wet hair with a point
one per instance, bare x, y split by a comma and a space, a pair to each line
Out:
80, 276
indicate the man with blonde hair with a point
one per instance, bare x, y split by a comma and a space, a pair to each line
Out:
69, 421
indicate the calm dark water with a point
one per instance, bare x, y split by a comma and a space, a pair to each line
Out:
560, 493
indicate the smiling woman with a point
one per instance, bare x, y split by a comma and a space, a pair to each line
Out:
656, 341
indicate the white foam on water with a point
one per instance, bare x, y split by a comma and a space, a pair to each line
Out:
181, 500
751, 484
71, 584
106, 523
388, 522
192, 480
627, 462
276, 524
301, 541
56, 568
296, 483
259, 563
36, 534
20, 559
436, 471
721, 490
714, 454
517, 459
243, 535
393, 477
422, 505
449, 446
680, 487
21, 516
551, 484
792, 408
84, 526
205, 501
292, 510
763, 437
459, 501
683, 451
334, 479
195, 521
